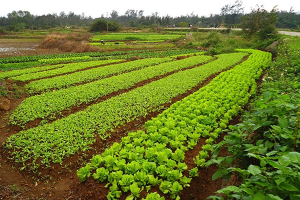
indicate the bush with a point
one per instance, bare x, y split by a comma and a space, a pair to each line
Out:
101, 25
212, 39
260, 23
2, 31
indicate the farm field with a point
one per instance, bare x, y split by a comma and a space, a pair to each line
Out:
137, 124
129, 40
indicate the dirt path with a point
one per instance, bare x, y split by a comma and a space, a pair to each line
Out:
289, 33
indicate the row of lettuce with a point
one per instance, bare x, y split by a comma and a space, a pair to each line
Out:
88, 71
61, 69
51, 143
117, 43
21, 62
155, 157
33, 73
134, 36
49, 103
267, 141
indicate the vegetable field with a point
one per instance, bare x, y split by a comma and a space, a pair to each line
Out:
127, 40
134, 36
107, 126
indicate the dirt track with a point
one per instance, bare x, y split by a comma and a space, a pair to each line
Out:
289, 33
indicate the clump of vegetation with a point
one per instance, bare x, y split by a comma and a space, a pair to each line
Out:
101, 25
212, 39
10, 90
3, 91
217, 43
72, 42
260, 24
2, 31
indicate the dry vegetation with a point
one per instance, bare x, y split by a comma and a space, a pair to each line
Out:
72, 42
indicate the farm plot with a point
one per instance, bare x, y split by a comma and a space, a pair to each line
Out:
62, 69
151, 158
52, 143
41, 106
90, 75
21, 62
134, 36
155, 157
133, 40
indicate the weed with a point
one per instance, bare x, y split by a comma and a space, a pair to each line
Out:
3, 91
14, 188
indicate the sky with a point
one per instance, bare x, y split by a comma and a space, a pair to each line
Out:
174, 8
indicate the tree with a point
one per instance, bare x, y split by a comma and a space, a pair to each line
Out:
141, 13
232, 13
260, 23
288, 19
183, 24
100, 25
130, 13
114, 14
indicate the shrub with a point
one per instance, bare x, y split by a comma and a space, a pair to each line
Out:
260, 23
101, 25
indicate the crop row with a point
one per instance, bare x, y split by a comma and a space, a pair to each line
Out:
148, 41
107, 43
266, 142
54, 142
64, 60
159, 54
135, 36
41, 106
156, 157
33, 70
16, 66
66, 68
19, 72
95, 56
19, 59
90, 75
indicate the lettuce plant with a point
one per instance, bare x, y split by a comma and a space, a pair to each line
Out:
126, 181
101, 174
193, 172
84, 172
153, 196
165, 186
175, 189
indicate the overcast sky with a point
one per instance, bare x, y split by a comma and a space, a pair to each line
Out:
95, 8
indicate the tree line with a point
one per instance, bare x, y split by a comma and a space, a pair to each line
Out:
230, 16
20, 20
